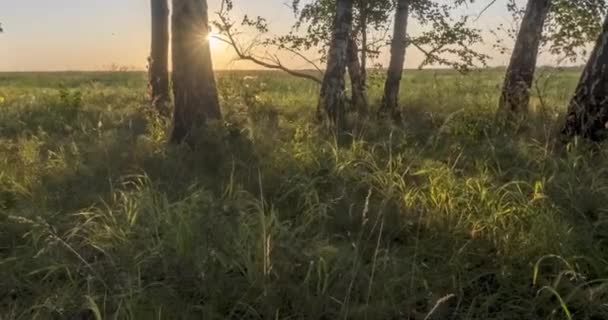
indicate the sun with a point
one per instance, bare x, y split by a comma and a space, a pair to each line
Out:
214, 40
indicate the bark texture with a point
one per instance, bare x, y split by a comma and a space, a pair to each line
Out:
515, 96
355, 71
332, 89
390, 99
159, 55
194, 87
588, 110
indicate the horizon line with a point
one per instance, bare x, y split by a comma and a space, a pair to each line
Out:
134, 70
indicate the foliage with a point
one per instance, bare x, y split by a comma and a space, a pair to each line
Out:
571, 26
312, 28
444, 40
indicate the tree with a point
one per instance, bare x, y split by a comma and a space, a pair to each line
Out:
331, 99
316, 20
515, 94
312, 31
369, 15
194, 87
565, 26
588, 110
442, 40
397, 60
365, 13
443, 37
572, 25
356, 72
159, 55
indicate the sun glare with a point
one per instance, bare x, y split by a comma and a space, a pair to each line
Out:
214, 40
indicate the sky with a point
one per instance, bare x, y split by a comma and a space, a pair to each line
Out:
57, 35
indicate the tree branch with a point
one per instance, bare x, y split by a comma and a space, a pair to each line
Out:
226, 28
485, 9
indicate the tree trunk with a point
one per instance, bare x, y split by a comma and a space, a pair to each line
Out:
588, 110
332, 89
363, 25
359, 92
515, 95
390, 100
194, 88
159, 55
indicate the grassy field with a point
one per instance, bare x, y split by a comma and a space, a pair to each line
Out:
451, 214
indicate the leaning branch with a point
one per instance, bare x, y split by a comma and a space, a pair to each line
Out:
275, 64
270, 63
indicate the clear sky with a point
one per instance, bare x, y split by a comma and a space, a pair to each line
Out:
94, 34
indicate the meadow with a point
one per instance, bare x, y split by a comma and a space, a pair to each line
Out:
450, 214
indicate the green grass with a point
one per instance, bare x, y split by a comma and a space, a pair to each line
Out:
450, 215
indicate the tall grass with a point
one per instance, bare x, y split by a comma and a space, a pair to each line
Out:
449, 215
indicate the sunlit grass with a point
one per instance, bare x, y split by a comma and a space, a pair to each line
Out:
451, 215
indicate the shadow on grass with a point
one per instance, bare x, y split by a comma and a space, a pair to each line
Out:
245, 227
